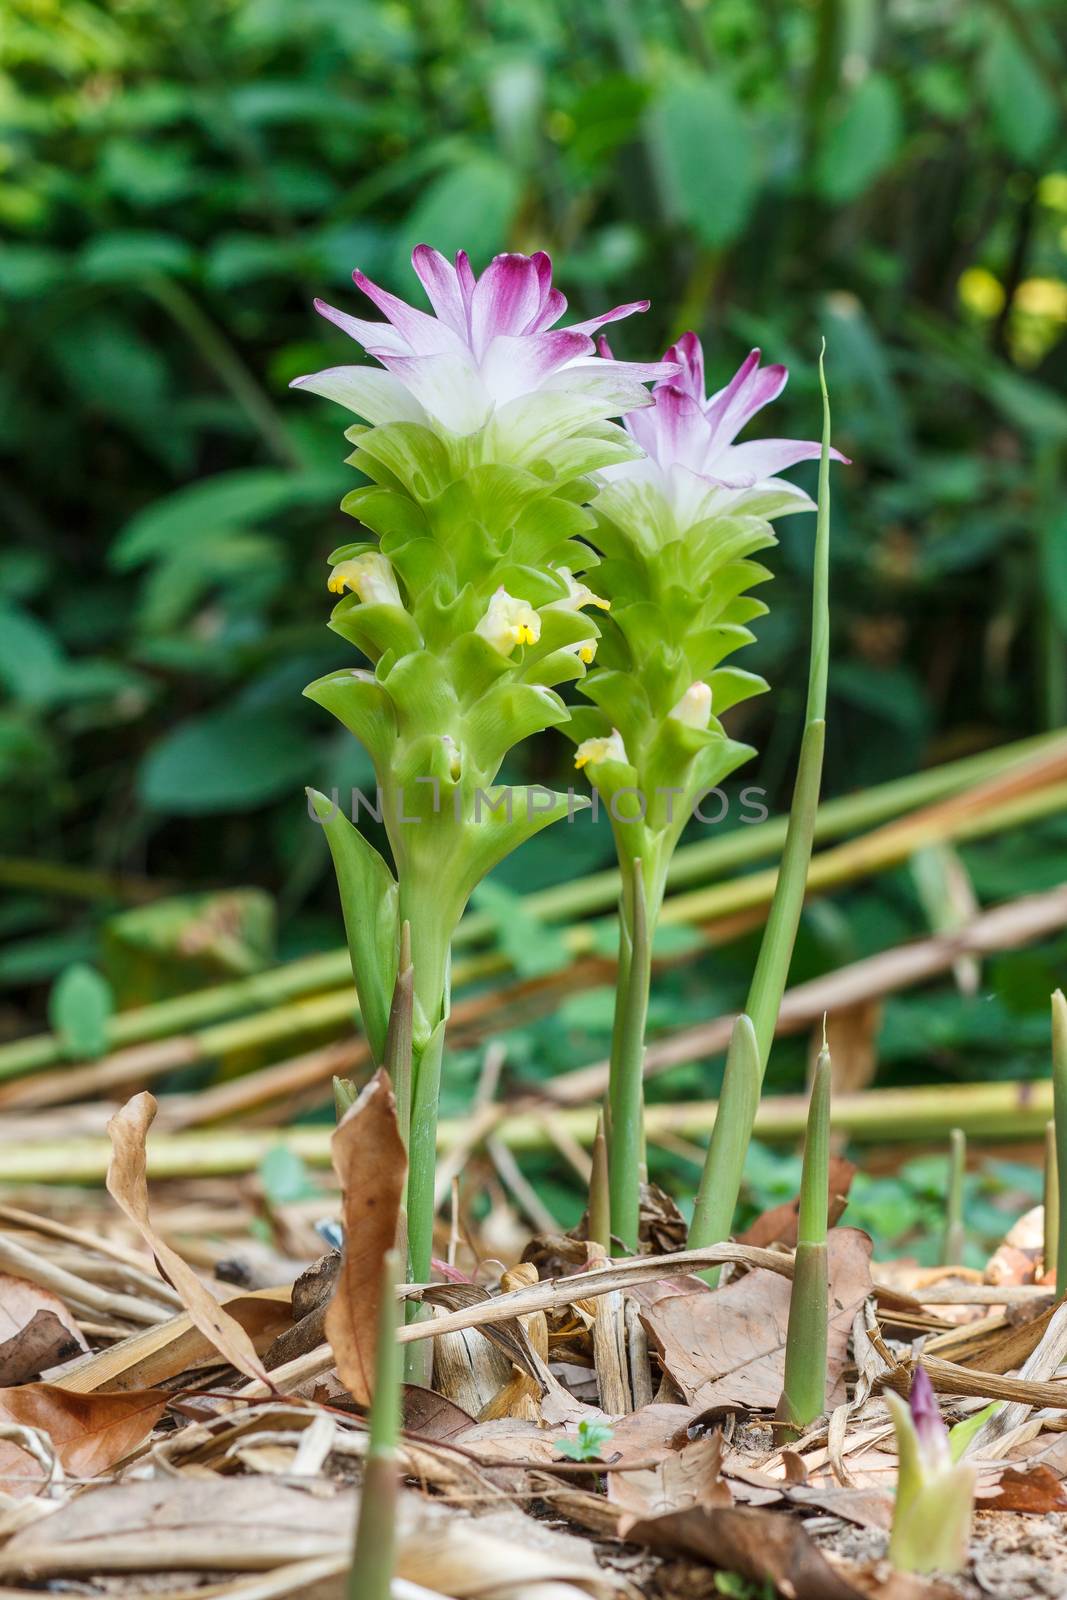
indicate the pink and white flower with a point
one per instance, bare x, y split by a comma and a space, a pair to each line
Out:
691, 461
491, 341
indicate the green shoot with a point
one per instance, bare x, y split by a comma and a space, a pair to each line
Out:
723, 1165
955, 1239
625, 1092
599, 1191
374, 1555
1051, 1207
593, 1438
1059, 1110
804, 1391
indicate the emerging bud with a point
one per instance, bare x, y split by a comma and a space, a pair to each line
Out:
694, 708
508, 622
935, 1495
453, 753
591, 752
370, 576
579, 594
585, 650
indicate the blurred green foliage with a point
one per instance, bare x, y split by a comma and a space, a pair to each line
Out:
178, 180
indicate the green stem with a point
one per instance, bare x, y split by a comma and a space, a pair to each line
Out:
398, 1038
1059, 1104
952, 1250
600, 1191
626, 1081
1051, 1206
720, 1180
374, 1553
804, 1387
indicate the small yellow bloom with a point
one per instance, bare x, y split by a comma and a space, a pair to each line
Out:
578, 594
591, 752
508, 622
370, 576
586, 650
694, 708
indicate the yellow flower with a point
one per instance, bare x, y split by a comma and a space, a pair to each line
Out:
370, 576
694, 708
509, 621
579, 594
591, 752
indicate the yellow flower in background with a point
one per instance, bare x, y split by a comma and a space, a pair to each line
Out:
591, 752
370, 576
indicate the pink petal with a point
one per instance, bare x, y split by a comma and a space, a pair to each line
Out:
506, 298
467, 280
371, 335
554, 306
424, 335
616, 314
690, 358
680, 429
761, 458
517, 364
441, 282
750, 389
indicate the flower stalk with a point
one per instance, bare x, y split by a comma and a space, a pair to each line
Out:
804, 1388
736, 1104
480, 431
955, 1238
934, 1505
374, 1552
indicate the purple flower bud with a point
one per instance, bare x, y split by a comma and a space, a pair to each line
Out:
934, 1448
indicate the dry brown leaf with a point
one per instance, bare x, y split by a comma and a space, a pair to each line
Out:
20, 1300
763, 1546
684, 1478
1038, 1489
779, 1225
127, 1184
370, 1162
89, 1433
43, 1342
729, 1347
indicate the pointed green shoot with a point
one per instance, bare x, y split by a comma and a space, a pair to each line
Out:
779, 934
374, 1555
952, 1248
1059, 1111
626, 1085
804, 1390
724, 1163
1051, 1206
600, 1191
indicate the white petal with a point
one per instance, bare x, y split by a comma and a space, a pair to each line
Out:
372, 394
448, 387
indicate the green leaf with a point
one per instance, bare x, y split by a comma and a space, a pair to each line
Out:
201, 510
128, 257
31, 658
285, 1177
468, 208
862, 142
592, 1440
533, 947
709, 156
369, 901
1023, 107
226, 760
960, 1436
79, 1007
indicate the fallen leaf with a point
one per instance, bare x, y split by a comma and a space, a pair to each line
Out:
20, 1300
43, 1342
687, 1477
729, 1347
1037, 1490
763, 1546
432, 1416
127, 1184
89, 1433
370, 1162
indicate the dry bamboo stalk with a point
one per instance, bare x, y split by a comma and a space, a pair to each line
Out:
637, 1349
77, 1292
50, 1227
609, 1354
1040, 1365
